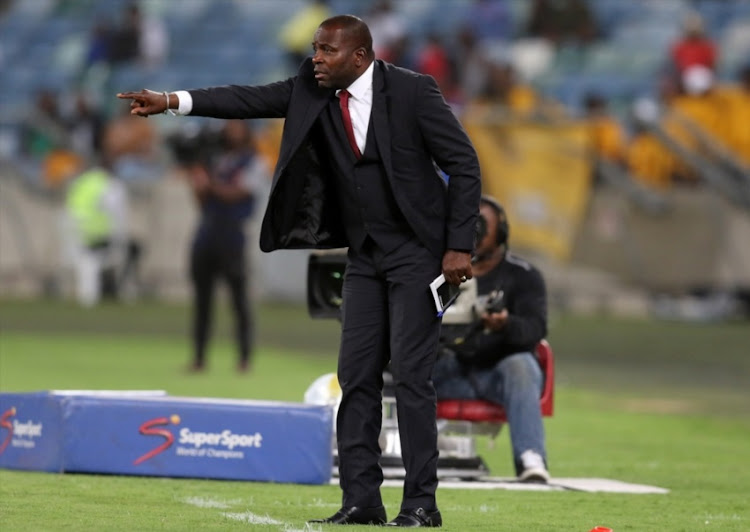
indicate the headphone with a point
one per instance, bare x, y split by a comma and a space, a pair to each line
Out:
503, 231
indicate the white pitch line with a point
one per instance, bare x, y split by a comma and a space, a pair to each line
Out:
251, 518
206, 502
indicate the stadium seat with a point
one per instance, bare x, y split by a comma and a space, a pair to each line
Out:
480, 411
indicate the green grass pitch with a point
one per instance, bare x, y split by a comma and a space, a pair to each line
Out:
664, 404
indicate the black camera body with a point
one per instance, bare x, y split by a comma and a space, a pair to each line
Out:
495, 302
191, 147
325, 283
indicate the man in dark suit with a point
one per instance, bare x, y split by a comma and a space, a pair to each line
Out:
357, 168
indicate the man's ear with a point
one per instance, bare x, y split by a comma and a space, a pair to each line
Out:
360, 54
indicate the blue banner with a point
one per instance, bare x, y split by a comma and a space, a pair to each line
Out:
184, 437
30, 432
156, 435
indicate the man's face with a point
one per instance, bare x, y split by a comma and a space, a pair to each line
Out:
336, 58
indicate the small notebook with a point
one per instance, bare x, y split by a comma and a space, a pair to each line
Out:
443, 293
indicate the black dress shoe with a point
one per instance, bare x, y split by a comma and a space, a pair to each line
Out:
417, 517
355, 516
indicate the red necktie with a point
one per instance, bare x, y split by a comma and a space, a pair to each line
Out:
344, 104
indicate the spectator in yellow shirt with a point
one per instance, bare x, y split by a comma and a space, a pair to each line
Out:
295, 34
735, 131
607, 138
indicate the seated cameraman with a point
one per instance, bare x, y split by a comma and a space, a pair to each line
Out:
495, 361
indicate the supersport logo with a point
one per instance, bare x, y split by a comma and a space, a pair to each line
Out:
6, 424
149, 428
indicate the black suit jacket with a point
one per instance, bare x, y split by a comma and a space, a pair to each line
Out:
413, 127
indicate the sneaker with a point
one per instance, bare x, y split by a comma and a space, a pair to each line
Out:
534, 469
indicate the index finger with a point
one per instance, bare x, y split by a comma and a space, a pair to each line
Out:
128, 95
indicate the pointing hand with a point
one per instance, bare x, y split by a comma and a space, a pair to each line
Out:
145, 102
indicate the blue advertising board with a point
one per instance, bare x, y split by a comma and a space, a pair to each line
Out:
30, 432
190, 437
150, 433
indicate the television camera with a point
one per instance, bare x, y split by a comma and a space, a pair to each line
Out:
195, 145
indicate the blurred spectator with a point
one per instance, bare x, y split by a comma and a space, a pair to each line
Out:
471, 63
44, 128
711, 120
736, 114
433, 60
694, 48
503, 89
648, 159
100, 39
139, 37
295, 35
387, 29
224, 171
130, 143
698, 103
697, 80
124, 43
489, 20
607, 137
153, 44
46, 155
402, 53
562, 21
85, 125
96, 232
59, 167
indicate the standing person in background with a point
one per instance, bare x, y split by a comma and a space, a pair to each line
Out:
499, 364
357, 168
222, 170
105, 256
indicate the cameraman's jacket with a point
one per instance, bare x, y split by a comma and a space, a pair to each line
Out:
525, 298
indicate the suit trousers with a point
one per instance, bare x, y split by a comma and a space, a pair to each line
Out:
388, 314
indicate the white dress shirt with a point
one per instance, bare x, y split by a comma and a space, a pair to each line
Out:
185, 102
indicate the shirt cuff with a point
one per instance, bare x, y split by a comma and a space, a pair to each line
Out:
185, 102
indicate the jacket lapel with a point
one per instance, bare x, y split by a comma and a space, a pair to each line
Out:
380, 113
301, 116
